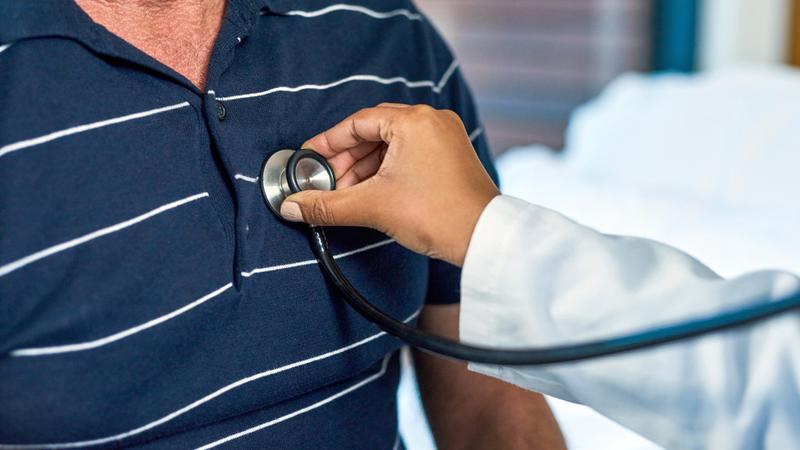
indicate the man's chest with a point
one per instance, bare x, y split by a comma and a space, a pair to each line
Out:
145, 266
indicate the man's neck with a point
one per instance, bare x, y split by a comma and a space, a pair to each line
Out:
178, 33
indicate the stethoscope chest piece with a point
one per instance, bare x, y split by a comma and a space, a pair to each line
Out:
288, 171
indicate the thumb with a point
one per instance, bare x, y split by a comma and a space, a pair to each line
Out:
340, 207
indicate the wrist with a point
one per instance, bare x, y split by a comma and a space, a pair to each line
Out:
466, 227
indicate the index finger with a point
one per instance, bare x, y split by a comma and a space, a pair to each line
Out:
366, 125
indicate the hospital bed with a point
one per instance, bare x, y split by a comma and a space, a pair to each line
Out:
708, 163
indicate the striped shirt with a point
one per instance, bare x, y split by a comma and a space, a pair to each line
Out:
147, 295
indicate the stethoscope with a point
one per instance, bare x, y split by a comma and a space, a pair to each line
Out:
288, 171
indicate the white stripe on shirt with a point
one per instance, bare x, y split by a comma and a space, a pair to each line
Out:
358, 9
430, 84
4, 47
475, 133
22, 262
8, 148
81, 346
313, 406
206, 399
239, 176
446, 77
40, 351
309, 262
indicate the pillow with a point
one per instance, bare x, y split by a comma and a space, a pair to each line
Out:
731, 136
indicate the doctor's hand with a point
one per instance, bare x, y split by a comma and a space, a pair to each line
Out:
407, 171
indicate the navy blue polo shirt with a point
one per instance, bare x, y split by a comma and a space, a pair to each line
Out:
147, 295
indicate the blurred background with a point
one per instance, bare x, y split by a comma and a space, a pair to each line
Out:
676, 120
532, 62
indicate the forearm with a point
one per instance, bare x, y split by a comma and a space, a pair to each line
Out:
559, 282
467, 410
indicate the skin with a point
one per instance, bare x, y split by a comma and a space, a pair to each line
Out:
469, 411
177, 33
466, 410
408, 171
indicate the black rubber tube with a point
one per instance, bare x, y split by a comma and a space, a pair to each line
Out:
523, 357
537, 356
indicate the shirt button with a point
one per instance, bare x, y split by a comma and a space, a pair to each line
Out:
222, 111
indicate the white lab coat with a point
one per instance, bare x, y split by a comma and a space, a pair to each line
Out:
535, 278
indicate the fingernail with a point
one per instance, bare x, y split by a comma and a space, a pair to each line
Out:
291, 211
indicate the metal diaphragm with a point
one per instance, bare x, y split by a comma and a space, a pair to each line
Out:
287, 171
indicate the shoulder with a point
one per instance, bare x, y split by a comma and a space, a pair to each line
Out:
43, 83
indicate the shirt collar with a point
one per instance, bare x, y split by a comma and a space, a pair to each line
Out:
63, 18
41, 18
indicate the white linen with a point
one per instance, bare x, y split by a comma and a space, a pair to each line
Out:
729, 237
728, 137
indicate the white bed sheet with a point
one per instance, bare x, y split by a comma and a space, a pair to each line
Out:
730, 238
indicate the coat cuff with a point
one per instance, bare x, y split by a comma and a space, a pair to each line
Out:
494, 313
493, 244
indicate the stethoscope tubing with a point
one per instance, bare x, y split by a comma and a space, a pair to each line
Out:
537, 356
558, 354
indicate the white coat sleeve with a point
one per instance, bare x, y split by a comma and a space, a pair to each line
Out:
535, 278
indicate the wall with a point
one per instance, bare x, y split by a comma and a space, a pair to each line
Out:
794, 46
735, 32
531, 62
